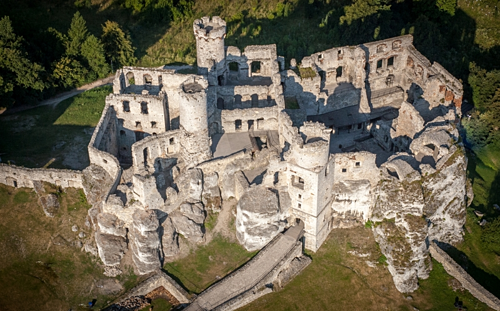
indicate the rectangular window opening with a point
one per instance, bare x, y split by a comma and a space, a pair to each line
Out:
344, 170
379, 64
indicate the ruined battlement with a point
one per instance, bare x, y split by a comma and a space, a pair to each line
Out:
206, 28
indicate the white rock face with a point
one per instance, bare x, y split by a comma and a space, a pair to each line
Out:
145, 241
258, 218
170, 239
351, 201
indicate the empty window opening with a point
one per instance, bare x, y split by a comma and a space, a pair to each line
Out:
390, 61
144, 107
237, 125
160, 80
255, 67
122, 132
147, 79
360, 125
379, 64
154, 134
340, 146
138, 124
339, 72
299, 205
255, 100
220, 103
250, 125
145, 154
358, 164
153, 124
15, 183
322, 75
298, 182
300, 196
130, 78
233, 66
340, 52
237, 100
171, 140
220, 79
344, 170
126, 106
124, 148
260, 123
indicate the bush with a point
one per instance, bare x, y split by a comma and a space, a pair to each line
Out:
490, 237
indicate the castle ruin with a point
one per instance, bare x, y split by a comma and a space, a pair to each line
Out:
354, 134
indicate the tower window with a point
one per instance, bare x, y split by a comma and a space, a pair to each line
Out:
379, 64
126, 106
299, 205
144, 107
358, 164
237, 125
153, 124
171, 141
390, 61
344, 170
138, 124
256, 67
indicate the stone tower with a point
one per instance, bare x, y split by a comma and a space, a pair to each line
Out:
193, 119
210, 52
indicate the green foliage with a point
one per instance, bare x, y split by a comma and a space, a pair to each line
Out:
484, 84
16, 70
93, 52
158, 11
369, 224
490, 236
117, 45
69, 72
448, 6
382, 259
360, 9
77, 33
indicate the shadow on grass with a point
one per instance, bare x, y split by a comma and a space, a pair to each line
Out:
488, 281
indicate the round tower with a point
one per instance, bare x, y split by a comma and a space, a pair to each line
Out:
210, 36
193, 106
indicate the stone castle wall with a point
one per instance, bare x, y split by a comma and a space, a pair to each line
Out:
454, 269
18, 177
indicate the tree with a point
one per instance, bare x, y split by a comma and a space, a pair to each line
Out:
361, 9
77, 33
69, 72
117, 45
16, 70
491, 236
93, 52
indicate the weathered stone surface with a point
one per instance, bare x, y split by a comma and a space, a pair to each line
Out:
190, 185
409, 121
351, 201
111, 248
258, 218
187, 227
110, 224
211, 196
96, 183
145, 241
169, 239
195, 212
50, 204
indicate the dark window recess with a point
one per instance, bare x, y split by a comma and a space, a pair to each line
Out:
171, 141
237, 124
358, 164
379, 64
144, 108
126, 106
344, 170
138, 124
122, 132
390, 61
153, 124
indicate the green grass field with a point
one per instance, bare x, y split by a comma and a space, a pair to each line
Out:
207, 264
33, 137
41, 266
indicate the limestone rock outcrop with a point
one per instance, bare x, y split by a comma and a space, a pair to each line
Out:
110, 239
169, 239
258, 218
96, 183
211, 196
145, 241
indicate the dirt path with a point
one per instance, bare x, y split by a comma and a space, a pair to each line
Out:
62, 96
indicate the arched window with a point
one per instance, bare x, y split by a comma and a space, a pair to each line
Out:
130, 78
147, 79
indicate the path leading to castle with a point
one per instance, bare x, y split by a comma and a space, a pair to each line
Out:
249, 275
62, 96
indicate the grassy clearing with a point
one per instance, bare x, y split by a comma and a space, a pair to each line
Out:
33, 137
158, 305
338, 280
41, 265
207, 264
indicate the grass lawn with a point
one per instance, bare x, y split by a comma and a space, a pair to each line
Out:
338, 280
53, 137
41, 265
207, 264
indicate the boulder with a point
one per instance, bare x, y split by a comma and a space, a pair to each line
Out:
211, 196
195, 212
145, 241
188, 228
111, 248
169, 239
96, 183
258, 218
110, 224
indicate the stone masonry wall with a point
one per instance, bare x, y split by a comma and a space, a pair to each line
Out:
453, 269
16, 176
